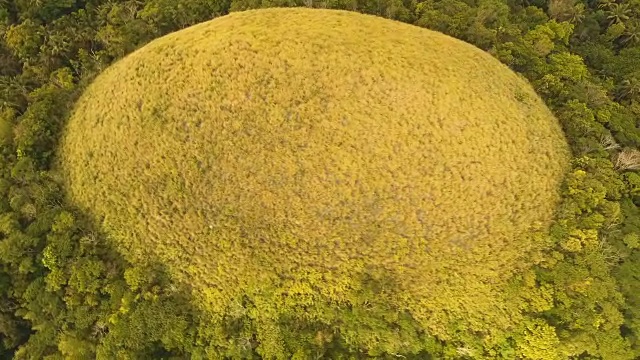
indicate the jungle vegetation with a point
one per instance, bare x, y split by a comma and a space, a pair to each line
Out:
68, 292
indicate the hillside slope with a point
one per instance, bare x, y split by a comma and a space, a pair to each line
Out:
312, 160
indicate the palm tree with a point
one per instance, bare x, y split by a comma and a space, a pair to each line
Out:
577, 14
628, 159
617, 13
631, 35
628, 90
605, 4
566, 10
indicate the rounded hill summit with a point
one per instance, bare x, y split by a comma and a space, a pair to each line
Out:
293, 155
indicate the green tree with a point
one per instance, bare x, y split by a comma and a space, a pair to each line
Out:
617, 13
24, 40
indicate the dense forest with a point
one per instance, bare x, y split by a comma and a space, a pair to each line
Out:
66, 293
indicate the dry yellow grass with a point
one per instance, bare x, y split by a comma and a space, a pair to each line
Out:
282, 153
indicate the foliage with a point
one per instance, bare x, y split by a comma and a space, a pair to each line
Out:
67, 294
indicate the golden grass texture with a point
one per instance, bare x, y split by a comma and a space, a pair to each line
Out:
285, 152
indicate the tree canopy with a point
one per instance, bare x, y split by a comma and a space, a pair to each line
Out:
68, 293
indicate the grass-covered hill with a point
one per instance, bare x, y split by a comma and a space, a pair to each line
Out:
296, 156
66, 291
